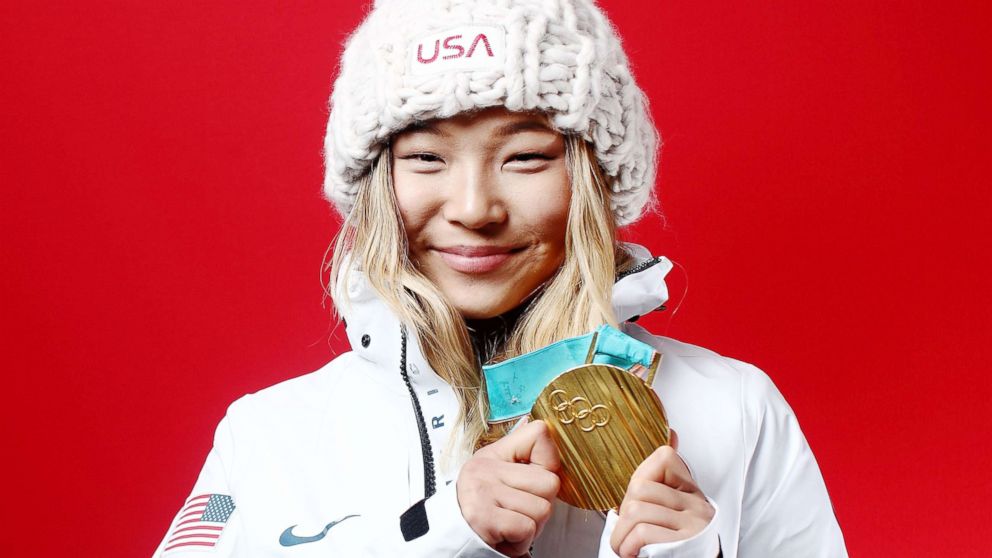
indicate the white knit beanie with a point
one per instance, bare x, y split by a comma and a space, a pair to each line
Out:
415, 60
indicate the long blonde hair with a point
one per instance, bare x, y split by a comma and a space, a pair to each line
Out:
575, 300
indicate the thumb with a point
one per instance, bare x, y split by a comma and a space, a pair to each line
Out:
673, 440
530, 442
544, 452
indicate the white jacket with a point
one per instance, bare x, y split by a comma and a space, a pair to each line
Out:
324, 465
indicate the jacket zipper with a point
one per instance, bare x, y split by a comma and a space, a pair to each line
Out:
639, 267
430, 483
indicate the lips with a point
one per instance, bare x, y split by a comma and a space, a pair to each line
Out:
476, 259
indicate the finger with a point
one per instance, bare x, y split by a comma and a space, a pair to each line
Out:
534, 507
544, 451
651, 504
636, 513
529, 443
665, 466
530, 478
624, 532
673, 440
643, 490
523, 421
639, 511
643, 534
516, 531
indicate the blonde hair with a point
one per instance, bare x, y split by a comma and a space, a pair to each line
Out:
575, 300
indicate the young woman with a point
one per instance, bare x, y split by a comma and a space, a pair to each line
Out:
484, 154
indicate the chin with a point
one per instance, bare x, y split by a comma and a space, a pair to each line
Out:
481, 312
479, 304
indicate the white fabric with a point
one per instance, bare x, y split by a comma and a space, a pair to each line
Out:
703, 543
344, 440
414, 60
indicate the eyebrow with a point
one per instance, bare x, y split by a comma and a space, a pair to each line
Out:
424, 128
501, 132
522, 126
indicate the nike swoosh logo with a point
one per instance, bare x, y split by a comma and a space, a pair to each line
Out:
287, 538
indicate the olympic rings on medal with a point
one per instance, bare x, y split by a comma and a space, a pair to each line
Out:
578, 409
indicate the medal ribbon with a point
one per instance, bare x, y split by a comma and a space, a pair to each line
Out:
514, 384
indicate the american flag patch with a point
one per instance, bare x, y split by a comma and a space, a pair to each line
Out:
200, 522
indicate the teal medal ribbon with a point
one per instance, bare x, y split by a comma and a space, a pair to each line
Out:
514, 384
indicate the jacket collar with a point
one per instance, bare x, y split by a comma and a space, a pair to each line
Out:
375, 332
642, 289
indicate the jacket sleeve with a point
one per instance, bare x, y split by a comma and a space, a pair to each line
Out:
209, 524
704, 544
785, 509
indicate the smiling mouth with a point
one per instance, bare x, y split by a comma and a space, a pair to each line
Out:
476, 260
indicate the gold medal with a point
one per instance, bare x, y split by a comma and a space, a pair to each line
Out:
605, 421
594, 393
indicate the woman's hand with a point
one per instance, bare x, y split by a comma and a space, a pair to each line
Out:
662, 504
507, 488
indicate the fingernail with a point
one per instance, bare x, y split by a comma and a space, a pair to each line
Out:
523, 420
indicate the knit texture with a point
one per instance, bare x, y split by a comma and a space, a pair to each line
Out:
415, 60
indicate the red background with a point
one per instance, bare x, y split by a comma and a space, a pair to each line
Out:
824, 179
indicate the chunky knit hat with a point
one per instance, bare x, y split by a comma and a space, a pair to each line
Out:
415, 60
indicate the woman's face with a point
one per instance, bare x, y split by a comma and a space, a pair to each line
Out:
484, 199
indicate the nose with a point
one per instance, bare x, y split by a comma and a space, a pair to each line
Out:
474, 199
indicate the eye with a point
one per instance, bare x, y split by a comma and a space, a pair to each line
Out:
528, 162
423, 162
530, 156
423, 158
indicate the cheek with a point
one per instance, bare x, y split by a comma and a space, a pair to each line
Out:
414, 206
544, 206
